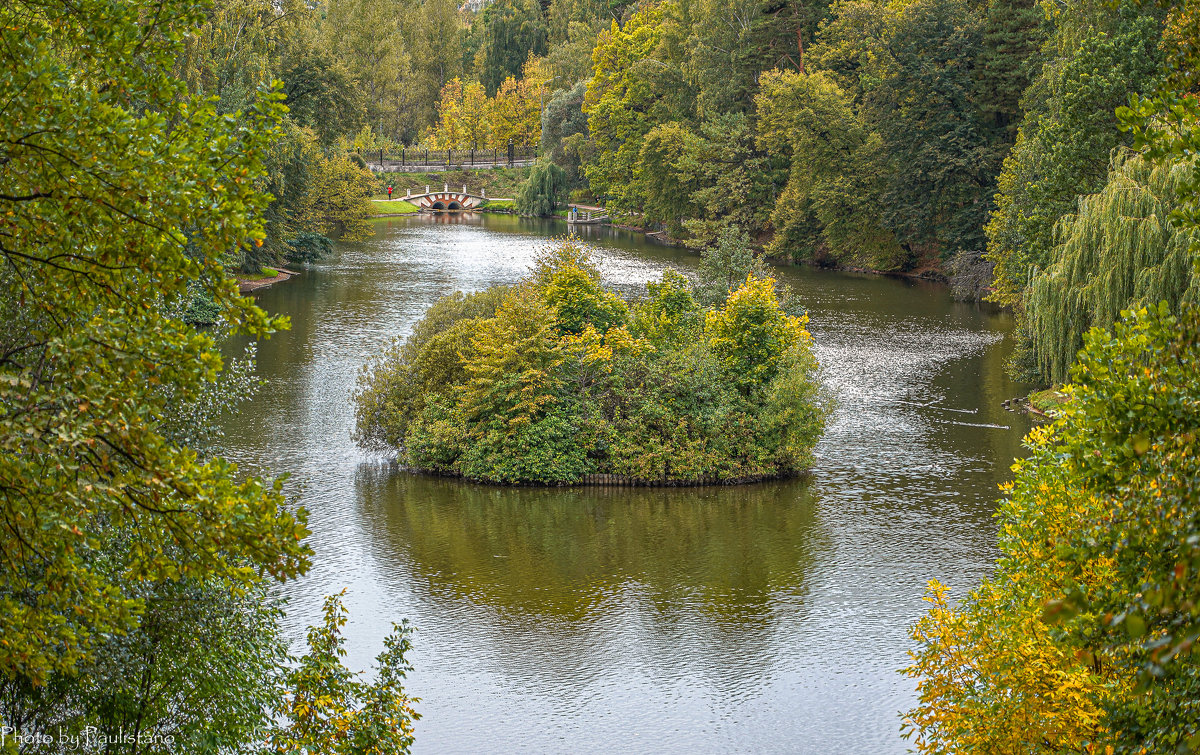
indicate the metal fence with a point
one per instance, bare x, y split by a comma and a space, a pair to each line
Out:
424, 160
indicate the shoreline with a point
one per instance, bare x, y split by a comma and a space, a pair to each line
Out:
605, 480
248, 286
925, 273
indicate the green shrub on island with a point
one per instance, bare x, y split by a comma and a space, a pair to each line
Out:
556, 378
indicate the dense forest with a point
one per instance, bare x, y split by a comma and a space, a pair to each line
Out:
944, 136
976, 140
1042, 154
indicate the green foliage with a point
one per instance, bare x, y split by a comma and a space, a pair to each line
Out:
309, 247
830, 204
669, 316
1139, 388
200, 308
676, 416
750, 335
667, 169
1097, 57
564, 126
514, 425
579, 302
725, 265
561, 379
726, 58
415, 370
631, 90
326, 710
735, 183
562, 15
135, 585
1120, 251
860, 133
198, 674
399, 55
1166, 125
99, 231
926, 110
512, 31
919, 83
1087, 633
851, 46
542, 192
339, 197
1009, 59
246, 44
322, 96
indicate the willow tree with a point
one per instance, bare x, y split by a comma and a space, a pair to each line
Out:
1121, 250
541, 194
1098, 55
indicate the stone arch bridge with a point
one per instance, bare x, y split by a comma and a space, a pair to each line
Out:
449, 199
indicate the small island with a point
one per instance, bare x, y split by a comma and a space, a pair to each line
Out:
556, 380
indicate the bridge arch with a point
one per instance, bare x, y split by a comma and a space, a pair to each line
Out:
445, 200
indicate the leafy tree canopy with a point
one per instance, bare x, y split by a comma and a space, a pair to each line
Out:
119, 190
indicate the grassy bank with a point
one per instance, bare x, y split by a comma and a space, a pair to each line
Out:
262, 274
1049, 400
393, 206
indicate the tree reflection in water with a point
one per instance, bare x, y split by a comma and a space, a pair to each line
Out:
716, 565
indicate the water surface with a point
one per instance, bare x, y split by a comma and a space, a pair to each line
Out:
765, 618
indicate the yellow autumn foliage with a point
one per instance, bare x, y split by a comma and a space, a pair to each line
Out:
1084, 639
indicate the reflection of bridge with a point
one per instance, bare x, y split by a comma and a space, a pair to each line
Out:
446, 200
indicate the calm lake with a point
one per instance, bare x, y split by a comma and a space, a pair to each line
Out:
765, 618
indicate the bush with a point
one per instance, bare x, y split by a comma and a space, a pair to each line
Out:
1085, 639
308, 247
557, 378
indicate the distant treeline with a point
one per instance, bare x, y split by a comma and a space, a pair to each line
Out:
956, 137
944, 135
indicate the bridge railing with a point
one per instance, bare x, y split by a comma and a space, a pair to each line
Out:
428, 160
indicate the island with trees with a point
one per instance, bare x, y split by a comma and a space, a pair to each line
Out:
556, 380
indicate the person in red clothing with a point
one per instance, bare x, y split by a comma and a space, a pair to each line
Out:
389, 191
